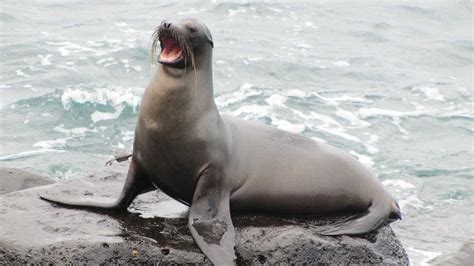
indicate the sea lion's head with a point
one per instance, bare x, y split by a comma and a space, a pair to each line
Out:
183, 42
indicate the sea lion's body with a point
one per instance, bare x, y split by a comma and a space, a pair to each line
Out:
216, 164
287, 173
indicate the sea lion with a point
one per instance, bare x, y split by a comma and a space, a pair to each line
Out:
216, 163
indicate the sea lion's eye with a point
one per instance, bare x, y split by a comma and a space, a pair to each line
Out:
192, 30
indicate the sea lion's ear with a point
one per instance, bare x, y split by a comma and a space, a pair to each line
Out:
209, 219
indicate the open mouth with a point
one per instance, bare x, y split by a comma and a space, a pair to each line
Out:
171, 52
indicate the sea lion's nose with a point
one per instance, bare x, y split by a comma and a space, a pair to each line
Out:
167, 24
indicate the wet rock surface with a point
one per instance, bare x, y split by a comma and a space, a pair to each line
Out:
15, 179
35, 231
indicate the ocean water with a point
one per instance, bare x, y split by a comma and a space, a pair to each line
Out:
391, 83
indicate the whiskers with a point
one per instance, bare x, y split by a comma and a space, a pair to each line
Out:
185, 46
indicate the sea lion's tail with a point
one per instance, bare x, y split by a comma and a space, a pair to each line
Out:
379, 211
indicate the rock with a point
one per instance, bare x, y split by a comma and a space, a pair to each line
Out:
465, 256
16, 179
35, 231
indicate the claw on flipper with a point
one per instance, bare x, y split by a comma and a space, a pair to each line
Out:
120, 158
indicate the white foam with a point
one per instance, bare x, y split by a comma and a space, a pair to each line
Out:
340, 132
310, 24
66, 67
418, 106
334, 101
99, 116
274, 9
341, 63
325, 119
352, 118
48, 144
78, 131
364, 159
115, 96
255, 59
406, 193
103, 60
244, 92
137, 68
98, 48
431, 93
426, 255
285, 125
19, 72
233, 12
68, 47
121, 24
45, 59
371, 112
395, 116
303, 45
127, 135
464, 91
120, 146
191, 11
415, 202
371, 149
276, 109
4, 86
252, 112
296, 93
374, 138
109, 64
276, 100
95, 44
27, 154
398, 183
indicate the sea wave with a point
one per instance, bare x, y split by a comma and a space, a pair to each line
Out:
118, 98
27, 154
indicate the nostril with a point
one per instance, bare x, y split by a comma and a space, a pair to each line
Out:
167, 25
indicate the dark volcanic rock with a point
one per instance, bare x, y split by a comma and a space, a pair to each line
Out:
15, 179
35, 231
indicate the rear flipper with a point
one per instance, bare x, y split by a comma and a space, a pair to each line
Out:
378, 212
136, 183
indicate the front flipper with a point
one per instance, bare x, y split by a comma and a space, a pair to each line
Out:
209, 219
136, 183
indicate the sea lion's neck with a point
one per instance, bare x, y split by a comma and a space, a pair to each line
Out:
180, 94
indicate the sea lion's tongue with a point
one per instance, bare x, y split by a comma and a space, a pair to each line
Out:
171, 49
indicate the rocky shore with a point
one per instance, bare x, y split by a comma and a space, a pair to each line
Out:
34, 231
